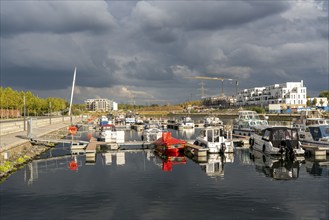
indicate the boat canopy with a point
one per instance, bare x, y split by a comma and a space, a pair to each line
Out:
167, 140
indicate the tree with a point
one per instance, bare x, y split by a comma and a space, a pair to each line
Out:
324, 93
314, 102
308, 102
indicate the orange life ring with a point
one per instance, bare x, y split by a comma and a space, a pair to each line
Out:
73, 130
73, 165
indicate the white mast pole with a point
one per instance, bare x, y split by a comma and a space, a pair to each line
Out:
75, 72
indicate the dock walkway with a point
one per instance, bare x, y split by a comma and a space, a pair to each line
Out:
9, 141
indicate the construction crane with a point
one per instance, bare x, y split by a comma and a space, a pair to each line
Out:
213, 78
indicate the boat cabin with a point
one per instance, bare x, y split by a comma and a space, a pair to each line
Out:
319, 132
211, 134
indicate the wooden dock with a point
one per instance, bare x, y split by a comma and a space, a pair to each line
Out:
195, 152
240, 140
315, 151
91, 149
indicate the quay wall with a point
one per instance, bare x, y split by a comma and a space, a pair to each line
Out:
22, 153
8, 127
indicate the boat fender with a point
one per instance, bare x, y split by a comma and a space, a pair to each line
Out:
73, 165
72, 130
251, 142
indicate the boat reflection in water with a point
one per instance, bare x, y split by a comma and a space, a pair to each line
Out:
186, 134
316, 166
214, 166
276, 167
166, 161
118, 156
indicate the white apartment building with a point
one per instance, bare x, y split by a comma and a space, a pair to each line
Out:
289, 94
101, 104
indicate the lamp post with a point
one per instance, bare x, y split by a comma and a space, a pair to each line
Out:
24, 112
49, 112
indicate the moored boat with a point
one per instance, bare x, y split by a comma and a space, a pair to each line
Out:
168, 145
277, 141
212, 121
151, 132
246, 122
213, 138
185, 123
108, 133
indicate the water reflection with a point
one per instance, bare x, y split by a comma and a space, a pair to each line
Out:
278, 168
166, 161
186, 134
50, 165
214, 166
119, 158
316, 166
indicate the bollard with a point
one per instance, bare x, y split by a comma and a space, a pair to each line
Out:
29, 128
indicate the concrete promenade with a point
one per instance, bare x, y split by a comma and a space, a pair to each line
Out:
12, 140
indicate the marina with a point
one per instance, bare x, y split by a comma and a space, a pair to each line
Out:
146, 174
164, 110
138, 183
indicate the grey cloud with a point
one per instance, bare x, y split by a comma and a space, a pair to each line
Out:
152, 45
54, 17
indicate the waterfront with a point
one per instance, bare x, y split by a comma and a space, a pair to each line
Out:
134, 185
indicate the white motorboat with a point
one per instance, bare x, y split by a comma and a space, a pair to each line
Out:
151, 132
246, 122
308, 118
185, 122
277, 141
108, 133
212, 121
213, 139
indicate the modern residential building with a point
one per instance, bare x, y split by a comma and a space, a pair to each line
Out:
101, 104
288, 95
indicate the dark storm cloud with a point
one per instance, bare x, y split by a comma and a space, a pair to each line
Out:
146, 49
53, 16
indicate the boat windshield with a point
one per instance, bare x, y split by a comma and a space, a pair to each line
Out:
284, 134
319, 132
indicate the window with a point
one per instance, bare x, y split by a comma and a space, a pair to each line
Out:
266, 135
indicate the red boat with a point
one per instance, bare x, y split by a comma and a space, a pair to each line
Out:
168, 145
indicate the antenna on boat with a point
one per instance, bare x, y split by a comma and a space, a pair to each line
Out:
72, 91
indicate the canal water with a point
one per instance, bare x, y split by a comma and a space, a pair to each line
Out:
141, 185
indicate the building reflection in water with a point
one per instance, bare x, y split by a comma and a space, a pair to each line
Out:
276, 167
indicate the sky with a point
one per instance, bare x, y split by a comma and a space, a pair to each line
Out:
144, 52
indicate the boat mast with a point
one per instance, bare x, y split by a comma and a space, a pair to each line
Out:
75, 72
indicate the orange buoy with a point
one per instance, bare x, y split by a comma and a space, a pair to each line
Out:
73, 165
72, 129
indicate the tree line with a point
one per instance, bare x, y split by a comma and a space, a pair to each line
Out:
12, 99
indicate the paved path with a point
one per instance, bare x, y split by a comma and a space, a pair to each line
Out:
9, 141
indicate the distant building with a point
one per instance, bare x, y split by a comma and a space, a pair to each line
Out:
292, 95
100, 105
218, 102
